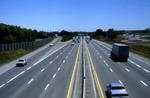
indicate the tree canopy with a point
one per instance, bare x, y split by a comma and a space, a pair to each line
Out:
12, 34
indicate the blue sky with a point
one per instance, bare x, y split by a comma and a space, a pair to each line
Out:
76, 15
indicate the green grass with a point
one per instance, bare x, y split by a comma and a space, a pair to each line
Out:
138, 48
8, 56
65, 38
147, 37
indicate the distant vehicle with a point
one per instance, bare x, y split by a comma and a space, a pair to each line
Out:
72, 43
116, 90
120, 52
51, 44
21, 62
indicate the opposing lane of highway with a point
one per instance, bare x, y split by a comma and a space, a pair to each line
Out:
15, 85
136, 81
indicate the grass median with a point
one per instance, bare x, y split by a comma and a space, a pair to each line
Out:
8, 56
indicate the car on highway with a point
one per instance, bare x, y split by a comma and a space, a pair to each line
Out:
21, 62
116, 90
72, 43
51, 44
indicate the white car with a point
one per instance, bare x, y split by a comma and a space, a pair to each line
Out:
21, 62
51, 44
72, 43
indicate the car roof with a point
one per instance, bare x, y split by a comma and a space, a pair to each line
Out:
117, 85
119, 92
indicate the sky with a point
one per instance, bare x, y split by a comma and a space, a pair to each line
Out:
76, 15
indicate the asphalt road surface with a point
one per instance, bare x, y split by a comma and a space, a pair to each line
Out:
82, 70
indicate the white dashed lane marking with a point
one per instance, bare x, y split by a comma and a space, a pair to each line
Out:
63, 61
146, 70
42, 70
54, 75
127, 69
58, 68
143, 83
46, 87
50, 62
30, 81
120, 81
110, 69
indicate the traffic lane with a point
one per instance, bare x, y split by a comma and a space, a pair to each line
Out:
25, 76
134, 83
105, 75
16, 70
137, 62
138, 70
58, 87
40, 82
142, 68
12, 87
145, 65
48, 50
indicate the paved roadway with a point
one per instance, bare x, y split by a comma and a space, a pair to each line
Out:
47, 77
59, 74
134, 74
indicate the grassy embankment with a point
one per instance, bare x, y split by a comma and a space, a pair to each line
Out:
8, 56
65, 38
138, 48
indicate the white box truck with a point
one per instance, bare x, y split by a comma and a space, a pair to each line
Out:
120, 52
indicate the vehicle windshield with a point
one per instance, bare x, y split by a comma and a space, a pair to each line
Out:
21, 60
117, 88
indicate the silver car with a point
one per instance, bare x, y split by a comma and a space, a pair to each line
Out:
21, 62
116, 90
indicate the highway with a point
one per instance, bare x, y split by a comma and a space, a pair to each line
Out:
82, 70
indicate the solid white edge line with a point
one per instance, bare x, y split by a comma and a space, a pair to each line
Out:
143, 83
28, 68
2, 85
46, 87
15, 76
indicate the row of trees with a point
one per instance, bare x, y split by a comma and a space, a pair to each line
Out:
111, 34
12, 34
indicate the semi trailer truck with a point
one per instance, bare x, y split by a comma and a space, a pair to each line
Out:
120, 52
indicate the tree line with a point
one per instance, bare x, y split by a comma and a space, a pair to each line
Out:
12, 34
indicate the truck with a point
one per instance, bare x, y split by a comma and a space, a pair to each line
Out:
120, 52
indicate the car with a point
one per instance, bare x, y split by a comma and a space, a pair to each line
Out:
116, 90
21, 62
72, 43
51, 44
